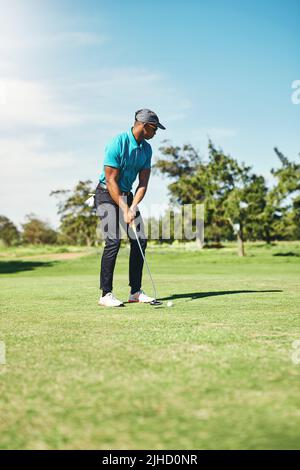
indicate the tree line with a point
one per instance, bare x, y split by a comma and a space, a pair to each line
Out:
238, 203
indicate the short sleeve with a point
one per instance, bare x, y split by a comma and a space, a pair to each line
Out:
112, 153
147, 164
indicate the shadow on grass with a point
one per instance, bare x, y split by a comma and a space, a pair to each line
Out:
288, 253
199, 295
16, 266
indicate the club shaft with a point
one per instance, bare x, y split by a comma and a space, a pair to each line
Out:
144, 258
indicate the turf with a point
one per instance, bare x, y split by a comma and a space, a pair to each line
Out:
214, 371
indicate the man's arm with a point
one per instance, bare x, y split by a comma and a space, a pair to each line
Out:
111, 178
144, 176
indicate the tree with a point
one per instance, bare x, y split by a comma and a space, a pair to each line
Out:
231, 188
36, 231
286, 193
296, 218
221, 183
237, 202
183, 166
78, 222
9, 233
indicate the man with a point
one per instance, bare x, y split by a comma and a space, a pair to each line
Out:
127, 156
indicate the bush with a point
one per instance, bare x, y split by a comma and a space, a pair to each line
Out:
9, 234
37, 232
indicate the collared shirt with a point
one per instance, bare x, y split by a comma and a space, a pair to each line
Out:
125, 153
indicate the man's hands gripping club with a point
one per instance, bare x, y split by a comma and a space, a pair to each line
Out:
111, 177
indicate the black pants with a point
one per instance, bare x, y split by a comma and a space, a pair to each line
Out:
111, 218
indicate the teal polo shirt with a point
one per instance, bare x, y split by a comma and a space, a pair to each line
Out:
125, 153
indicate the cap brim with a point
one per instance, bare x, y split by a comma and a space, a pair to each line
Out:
161, 126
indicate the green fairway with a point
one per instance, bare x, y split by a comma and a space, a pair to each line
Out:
213, 371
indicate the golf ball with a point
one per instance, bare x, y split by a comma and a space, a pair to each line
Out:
169, 304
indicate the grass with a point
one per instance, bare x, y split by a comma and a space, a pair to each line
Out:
30, 250
213, 371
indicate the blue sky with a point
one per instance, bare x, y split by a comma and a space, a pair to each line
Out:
72, 74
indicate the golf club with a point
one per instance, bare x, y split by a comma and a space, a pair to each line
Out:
155, 301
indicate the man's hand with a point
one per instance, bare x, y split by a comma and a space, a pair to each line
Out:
129, 216
133, 209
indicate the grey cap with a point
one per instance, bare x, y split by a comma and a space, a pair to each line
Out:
148, 116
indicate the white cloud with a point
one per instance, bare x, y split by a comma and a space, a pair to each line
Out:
9, 42
28, 103
29, 172
21, 157
217, 132
115, 91
108, 82
7, 67
13, 42
105, 100
76, 38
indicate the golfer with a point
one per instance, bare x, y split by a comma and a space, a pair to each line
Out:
127, 156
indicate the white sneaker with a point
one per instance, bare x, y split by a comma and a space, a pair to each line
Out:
140, 296
109, 300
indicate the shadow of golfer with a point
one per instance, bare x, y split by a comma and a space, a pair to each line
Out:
16, 266
200, 295
289, 253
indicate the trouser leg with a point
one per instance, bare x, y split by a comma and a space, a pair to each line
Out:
136, 261
108, 262
136, 264
109, 217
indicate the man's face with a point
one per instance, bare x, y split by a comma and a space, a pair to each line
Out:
149, 131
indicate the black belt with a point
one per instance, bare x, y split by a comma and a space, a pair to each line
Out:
123, 193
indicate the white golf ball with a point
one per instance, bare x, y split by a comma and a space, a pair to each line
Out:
169, 304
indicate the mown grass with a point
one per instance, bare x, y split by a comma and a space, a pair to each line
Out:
34, 250
213, 371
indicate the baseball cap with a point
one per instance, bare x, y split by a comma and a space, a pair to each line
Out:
148, 116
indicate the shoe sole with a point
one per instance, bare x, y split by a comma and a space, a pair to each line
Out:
111, 306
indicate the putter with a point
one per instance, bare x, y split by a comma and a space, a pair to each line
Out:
155, 301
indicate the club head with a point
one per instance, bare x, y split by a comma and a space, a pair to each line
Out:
156, 302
